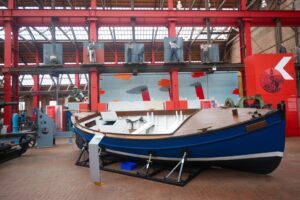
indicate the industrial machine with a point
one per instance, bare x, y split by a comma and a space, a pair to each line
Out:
9, 151
14, 145
47, 132
134, 53
247, 102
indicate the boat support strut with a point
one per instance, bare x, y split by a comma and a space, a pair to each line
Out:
181, 164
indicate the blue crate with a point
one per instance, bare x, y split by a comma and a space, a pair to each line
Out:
128, 165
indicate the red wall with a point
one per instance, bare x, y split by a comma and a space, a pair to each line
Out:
273, 77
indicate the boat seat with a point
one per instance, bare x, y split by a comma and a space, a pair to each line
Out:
109, 116
120, 126
143, 128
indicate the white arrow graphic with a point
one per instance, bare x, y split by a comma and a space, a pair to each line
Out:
280, 67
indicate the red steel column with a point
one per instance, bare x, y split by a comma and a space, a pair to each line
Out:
77, 81
15, 62
116, 55
247, 32
172, 29
153, 55
243, 5
170, 5
174, 93
94, 75
248, 47
8, 63
246, 41
174, 90
36, 83
7, 77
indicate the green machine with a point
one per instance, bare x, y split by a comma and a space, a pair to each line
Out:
257, 102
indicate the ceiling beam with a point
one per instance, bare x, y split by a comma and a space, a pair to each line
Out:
221, 5
192, 41
27, 41
117, 68
66, 35
41, 34
251, 3
38, 3
3, 3
30, 33
70, 4
178, 33
192, 4
192, 33
151, 17
50, 92
73, 33
34, 40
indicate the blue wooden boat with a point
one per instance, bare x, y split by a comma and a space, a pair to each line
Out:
246, 139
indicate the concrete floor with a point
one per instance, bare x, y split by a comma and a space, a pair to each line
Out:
50, 174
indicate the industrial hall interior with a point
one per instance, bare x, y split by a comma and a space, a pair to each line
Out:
149, 99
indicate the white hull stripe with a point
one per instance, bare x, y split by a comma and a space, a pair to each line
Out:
246, 156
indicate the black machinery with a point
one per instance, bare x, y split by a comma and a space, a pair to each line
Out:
23, 140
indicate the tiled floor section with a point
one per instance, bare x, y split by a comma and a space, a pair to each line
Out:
50, 174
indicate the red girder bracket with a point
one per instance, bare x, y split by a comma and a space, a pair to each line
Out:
149, 18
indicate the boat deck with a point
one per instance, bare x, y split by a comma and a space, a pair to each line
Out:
212, 119
198, 121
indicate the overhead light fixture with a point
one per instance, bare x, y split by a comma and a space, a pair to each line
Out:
214, 68
263, 4
179, 5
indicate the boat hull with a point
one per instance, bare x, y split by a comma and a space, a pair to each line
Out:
258, 150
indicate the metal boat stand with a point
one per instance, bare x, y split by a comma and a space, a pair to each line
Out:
83, 158
146, 168
181, 164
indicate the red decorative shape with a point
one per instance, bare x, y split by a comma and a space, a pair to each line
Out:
236, 91
101, 92
164, 83
102, 107
271, 80
199, 92
123, 76
169, 105
198, 74
205, 104
145, 95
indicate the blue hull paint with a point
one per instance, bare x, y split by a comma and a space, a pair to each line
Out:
228, 142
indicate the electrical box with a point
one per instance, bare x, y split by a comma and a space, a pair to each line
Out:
53, 54
134, 53
210, 53
93, 53
173, 49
